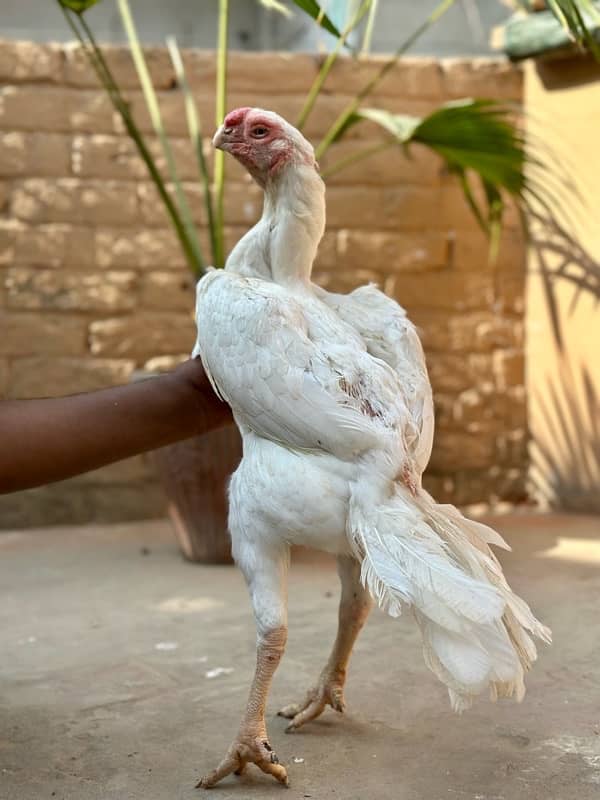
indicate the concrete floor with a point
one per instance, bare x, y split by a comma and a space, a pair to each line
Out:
108, 640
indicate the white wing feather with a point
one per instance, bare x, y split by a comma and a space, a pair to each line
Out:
391, 336
254, 344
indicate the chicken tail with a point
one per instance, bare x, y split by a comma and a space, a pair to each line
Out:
475, 629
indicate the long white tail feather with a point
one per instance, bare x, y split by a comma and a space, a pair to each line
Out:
400, 536
385, 584
521, 640
484, 532
461, 696
506, 662
415, 552
482, 562
431, 608
524, 616
464, 658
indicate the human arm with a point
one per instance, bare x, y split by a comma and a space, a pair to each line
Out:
50, 439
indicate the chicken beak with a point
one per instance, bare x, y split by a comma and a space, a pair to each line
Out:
220, 139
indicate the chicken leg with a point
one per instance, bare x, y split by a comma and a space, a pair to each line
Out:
266, 577
355, 604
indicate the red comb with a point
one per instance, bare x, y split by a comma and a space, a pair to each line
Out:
235, 117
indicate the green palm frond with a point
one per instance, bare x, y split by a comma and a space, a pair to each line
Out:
477, 135
314, 10
151, 100
581, 19
477, 140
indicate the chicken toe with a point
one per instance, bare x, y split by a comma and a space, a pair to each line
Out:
247, 748
328, 692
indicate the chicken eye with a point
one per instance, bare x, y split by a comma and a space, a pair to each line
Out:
259, 132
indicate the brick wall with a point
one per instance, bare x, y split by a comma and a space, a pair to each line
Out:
93, 286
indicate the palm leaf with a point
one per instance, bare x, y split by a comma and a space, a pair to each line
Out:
276, 5
154, 112
401, 126
476, 139
95, 56
195, 132
369, 28
341, 122
477, 135
321, 77
314, 10
580, 18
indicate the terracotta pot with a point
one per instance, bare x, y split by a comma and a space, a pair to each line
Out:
195, 473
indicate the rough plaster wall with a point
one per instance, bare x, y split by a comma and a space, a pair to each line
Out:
92, 285
563, 318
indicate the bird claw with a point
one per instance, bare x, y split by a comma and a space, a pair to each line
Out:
329, 691
246, 749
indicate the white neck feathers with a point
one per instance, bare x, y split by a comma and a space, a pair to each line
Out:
294, 214
283, 244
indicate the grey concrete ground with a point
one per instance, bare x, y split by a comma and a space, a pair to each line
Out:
108, 641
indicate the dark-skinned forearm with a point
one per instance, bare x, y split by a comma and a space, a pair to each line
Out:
50, 439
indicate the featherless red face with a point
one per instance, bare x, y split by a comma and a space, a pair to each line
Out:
258, 139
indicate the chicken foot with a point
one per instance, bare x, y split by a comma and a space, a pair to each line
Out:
251, 745
355, 604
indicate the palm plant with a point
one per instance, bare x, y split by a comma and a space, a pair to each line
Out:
562, 26
479, 140
579, 18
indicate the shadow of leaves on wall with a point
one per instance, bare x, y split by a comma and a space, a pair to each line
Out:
558, 256
565, 426
565, 469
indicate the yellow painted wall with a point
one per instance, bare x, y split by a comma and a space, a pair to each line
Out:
563, 313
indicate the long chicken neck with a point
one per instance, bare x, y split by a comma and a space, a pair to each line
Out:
294, 220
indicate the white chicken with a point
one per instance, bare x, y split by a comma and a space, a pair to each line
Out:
331, 395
